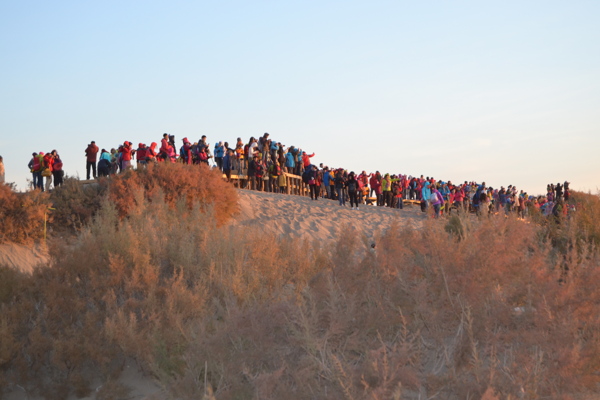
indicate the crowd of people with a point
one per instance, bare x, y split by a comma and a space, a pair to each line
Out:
46, 165
264, 162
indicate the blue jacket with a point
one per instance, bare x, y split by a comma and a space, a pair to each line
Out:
426, 191
289, 160
219, 150
326, 178
226, 162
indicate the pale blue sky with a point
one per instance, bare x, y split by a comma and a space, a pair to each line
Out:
506, 92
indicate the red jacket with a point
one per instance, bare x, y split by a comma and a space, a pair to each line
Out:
187, 156
375, 184
126, 153
140, 154
49, 162
306, 159
91, 152
164, 146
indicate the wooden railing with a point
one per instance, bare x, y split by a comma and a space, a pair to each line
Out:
294, 183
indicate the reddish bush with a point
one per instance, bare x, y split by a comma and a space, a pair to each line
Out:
21, 215
193, 183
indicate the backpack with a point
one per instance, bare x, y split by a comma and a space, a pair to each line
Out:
259, 170
36, 164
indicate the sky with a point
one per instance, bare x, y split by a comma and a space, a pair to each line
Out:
502, 92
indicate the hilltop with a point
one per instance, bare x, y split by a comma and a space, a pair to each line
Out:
271, 296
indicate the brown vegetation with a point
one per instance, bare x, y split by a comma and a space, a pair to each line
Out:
75, 204
496, 310
21, 215
195, 184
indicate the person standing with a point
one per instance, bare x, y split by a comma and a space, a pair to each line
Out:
312, 182
126, 154
57, 169
251, 173
140, 155
327, 182
219, 153
290, 162
227, 164
35, 166
104, 165
386, 187
163, 153
2, 172
91, 154
186, 152
339, 184
259, 171
48, 169
352, 185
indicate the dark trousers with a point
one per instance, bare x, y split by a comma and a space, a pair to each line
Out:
353, 198
314, 194
58, 178
92, 165
387, 198
38, 180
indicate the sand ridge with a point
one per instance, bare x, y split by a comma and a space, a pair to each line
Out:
300, 217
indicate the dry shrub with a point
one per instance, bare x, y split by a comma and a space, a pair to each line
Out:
424, 315
21, 215
238, 313
587, 216
196, 184
75, 203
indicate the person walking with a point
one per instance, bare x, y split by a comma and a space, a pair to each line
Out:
91, 154
437, 200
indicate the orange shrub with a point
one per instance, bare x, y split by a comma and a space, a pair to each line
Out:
21, 214
194, 183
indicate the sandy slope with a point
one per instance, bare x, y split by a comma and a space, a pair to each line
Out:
295, 216
22, 257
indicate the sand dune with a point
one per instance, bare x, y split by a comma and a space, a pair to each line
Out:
301, 217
